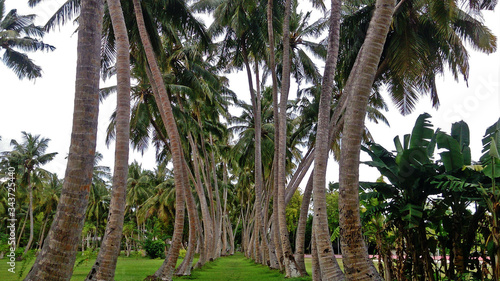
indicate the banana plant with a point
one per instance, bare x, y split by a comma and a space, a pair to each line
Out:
491, 163
404, 198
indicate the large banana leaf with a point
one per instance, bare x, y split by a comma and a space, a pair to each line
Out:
412, 214
422, 131
452, 158
491, 156
460, 132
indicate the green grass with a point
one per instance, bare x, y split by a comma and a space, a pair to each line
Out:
235, 267
127, 269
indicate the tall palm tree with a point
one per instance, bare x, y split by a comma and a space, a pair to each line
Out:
65, 231
412, 60
18, 34
180, 175
139, 189
291, 268
357, 265
29, 156
99, 196
327, 263
105, 265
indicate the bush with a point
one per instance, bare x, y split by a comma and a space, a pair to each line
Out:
182, 253
154, 248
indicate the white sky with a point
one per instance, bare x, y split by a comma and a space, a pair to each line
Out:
45, 107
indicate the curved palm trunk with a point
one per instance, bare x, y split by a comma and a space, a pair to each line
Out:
357, 265
218, 206
329, 267
55, 261
205, 212
30, 207
167, 115
256, 105
301, 227
105, 264
289, 263
186, 265
316, 270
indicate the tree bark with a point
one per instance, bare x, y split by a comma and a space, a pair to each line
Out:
289, 263
105, 264
167, 115
55, 261
357, 264
329, 267
187, 263
30, 190
205, 212
301, 227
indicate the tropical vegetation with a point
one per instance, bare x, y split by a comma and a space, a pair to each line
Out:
228, 171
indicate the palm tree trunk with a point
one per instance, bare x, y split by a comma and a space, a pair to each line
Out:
21, 232
289, 263
30, 240
205, 212
224, 210
186, 265
357, 264
274, 243
42, 233
316, 269
301, 227
218, 206
56, 260
255, 97
329, 267
105, 264
167, 115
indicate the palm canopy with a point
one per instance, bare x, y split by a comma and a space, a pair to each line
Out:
29, 155
18, 34
426, 39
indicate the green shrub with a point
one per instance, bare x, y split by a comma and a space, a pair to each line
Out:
154, 248
182, 253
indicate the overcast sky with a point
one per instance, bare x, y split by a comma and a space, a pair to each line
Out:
45, 106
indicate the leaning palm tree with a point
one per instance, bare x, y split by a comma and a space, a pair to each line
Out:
105, 265
52, 263
29, 156
180, 173
18, 34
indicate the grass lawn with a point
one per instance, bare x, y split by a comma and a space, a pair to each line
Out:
235, 267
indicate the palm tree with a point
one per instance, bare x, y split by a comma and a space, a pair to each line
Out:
327, 263
180, 175
17, 32
303, 69
65, 231
105, 265
139, 189
357, 265
29, 156
99, 196
412, 59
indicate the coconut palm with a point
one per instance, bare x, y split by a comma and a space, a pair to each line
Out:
358, 89
412, 59
18, 34
65, 231
28, 157
180, 174
105, 265
302, 32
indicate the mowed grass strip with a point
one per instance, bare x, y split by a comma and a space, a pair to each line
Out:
236, 267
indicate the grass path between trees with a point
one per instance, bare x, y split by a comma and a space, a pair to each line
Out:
235, 267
